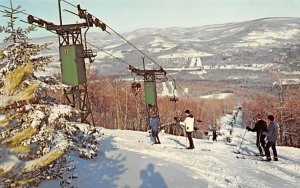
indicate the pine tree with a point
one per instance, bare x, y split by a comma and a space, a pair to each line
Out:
15, 34
35, 136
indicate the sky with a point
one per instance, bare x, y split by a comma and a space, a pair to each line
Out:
128, 160
128, 15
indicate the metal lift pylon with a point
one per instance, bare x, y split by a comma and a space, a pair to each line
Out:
73, 52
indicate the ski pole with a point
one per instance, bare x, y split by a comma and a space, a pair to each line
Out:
185, 138
238, 151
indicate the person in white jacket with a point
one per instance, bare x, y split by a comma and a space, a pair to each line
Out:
188, 123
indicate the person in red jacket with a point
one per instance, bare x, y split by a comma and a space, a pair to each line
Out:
260, 128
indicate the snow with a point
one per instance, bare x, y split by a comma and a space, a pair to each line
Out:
4, 100
101, 54
2, 117
253, 67
185, 54
216, 96
291, 73
291, 81
59, 110
36, 118
266, 37
159, 44
8, 162
60, 142
127, 159
112, 46
199, 73
196, 61
186, 91
168, 92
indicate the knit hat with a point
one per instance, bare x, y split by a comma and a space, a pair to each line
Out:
271, 118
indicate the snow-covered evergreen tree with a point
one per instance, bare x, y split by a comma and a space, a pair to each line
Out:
36, 137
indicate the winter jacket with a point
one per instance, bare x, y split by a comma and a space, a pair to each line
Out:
154, 123
259, 127
272, 133
188, 123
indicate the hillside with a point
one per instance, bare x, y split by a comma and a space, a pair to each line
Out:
41, 141
127, 159
244, 53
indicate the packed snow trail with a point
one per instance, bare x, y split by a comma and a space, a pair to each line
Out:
126, 157
219, 166
115, 167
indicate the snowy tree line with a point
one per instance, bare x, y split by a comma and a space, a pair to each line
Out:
287, 113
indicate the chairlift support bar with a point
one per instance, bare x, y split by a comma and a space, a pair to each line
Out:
149, 74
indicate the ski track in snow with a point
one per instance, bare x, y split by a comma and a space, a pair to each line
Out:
210, 164
219, 165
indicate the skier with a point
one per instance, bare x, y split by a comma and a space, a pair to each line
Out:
154, 125
188, 123
214, 130
271, 138
260, 128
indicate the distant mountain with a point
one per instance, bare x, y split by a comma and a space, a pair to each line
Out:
243, 52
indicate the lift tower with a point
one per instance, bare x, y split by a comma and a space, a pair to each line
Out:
150, 77
73, 52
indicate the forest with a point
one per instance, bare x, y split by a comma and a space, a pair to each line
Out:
115, 107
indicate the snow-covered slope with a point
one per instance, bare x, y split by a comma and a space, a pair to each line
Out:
244, 51
127, 159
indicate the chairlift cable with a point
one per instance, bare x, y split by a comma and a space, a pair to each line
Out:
69, 3
145, 55
107, 52
70, 12
120, 36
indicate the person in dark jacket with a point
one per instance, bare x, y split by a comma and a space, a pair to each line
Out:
188, 123
154, 125
271, 138
214, 131
214, 134
260, 128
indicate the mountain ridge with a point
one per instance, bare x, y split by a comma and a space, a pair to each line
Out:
261, 45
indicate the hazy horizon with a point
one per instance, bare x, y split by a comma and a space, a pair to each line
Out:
126, 16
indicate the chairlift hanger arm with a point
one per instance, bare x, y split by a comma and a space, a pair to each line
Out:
142, 72
89, 18
91, 21
52, 27
33, 19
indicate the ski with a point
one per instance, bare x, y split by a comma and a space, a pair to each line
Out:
247, 154
186, 148
240, 157
240, 153
264, 160
252, 157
